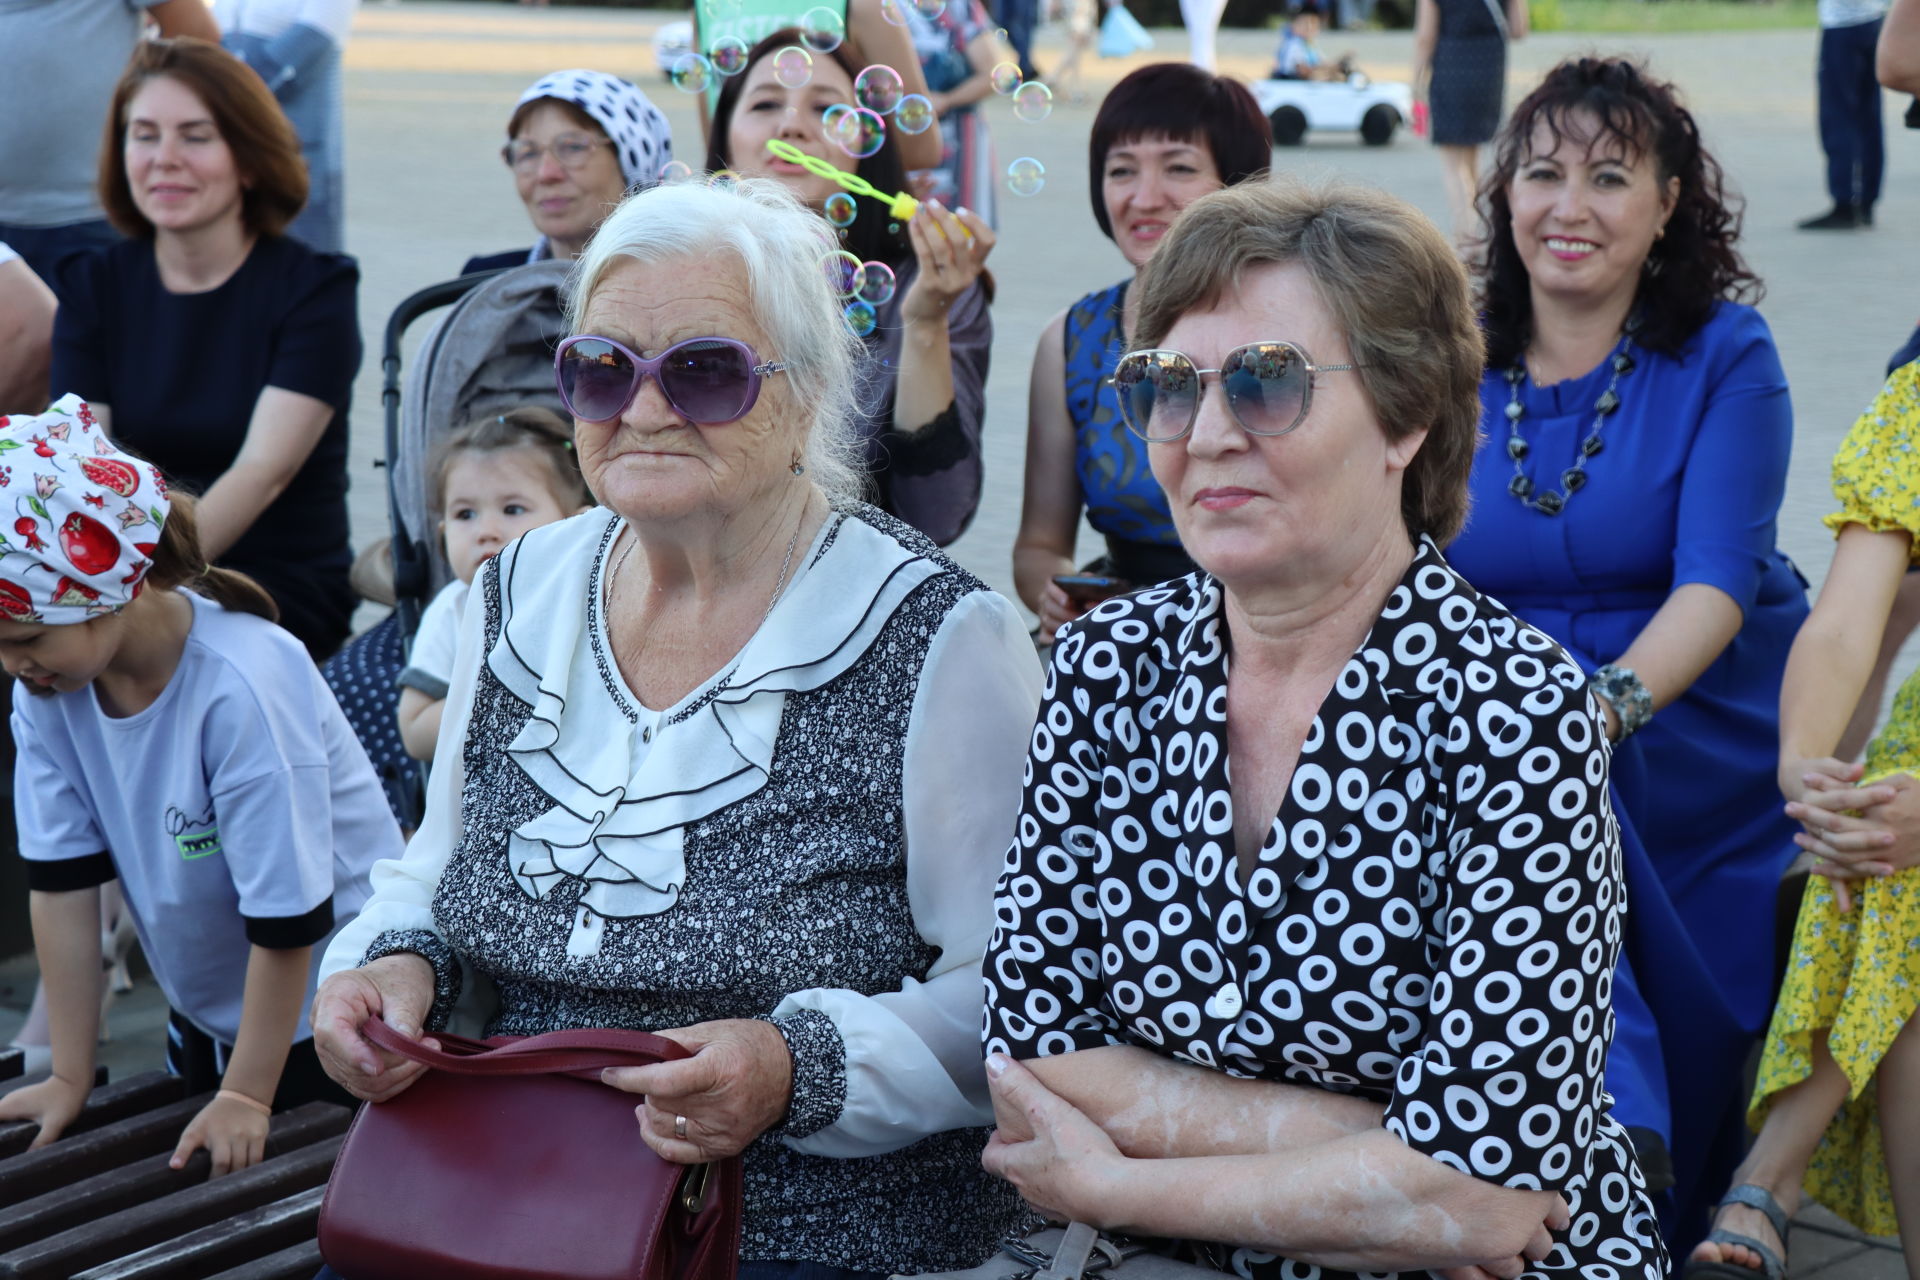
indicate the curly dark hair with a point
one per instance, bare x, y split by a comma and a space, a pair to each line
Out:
1602, 102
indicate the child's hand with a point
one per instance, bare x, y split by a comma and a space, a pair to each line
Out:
233, 1133
52, 1104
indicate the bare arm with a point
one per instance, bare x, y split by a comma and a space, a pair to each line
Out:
285, 428
66, 941
1155, 1108
233, 1125
1364, 1201
882, 42
983, 51
26, 338
1836, 646
1426, 34
1897, 61
419, 718
185, 18
951, 250
1519, 20
1051, 500
1688, 633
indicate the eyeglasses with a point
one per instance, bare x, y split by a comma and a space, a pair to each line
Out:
708, 381
1269, 386
572, 150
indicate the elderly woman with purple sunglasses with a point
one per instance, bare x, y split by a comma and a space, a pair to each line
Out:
733, 758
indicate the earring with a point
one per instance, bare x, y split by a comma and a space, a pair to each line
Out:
798, 467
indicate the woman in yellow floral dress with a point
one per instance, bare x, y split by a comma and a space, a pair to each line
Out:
1837, 1103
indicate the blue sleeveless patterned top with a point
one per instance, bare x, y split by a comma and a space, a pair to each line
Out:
1123, 499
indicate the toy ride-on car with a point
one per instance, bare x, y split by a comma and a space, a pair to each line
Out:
1375, 111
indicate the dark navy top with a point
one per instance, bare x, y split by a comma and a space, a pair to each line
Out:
182, 373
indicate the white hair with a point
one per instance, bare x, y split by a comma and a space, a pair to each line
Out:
781, 244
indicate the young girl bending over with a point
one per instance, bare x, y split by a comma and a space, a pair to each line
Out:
1837, 1103
176, 738
492, 481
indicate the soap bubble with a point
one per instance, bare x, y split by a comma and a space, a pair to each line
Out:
823, 29
930, 8
674, 171
843, 272
1026, 176
878, 89
876, 283
1033, 102
1006, 78
892, 11
893, 228
723, 179
841, 209
729, 55
914, 114
793, 66
860, 318
691, 73
830, 118
860, 132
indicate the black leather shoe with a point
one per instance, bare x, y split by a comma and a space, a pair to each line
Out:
1842, 217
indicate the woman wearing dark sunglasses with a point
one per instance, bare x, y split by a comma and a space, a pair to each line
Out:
1307, 933
928, 330
733, 758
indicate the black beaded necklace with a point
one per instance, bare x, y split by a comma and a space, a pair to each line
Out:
1550, 502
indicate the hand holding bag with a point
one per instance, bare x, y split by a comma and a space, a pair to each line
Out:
509, 1160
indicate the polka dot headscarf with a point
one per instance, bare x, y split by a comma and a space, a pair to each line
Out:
640, 135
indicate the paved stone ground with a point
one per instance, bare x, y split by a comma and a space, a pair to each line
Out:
429, 87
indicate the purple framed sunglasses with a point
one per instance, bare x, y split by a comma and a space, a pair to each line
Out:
707, 381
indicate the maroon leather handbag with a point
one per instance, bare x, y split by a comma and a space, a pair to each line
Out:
509, 1160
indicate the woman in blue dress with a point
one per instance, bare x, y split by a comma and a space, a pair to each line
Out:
1165, 135
1637, 436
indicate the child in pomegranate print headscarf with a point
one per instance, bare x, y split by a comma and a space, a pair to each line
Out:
175, 739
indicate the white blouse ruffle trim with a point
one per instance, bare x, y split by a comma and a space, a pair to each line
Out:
626, 781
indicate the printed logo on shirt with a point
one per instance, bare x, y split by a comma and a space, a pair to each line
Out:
194, 837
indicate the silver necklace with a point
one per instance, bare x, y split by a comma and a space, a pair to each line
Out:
1551, 502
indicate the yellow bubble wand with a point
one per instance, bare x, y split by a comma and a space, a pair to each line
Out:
900, 205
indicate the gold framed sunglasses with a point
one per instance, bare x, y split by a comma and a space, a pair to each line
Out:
1268, 385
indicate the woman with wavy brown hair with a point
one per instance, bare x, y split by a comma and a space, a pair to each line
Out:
1638, 430
211, 342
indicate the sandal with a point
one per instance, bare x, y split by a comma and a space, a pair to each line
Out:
1772, 1265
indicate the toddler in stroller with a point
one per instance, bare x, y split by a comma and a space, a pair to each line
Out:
490, 353
492, 481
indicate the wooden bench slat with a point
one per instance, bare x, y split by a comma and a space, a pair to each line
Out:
81, 1155
299, 1262
240, 1239
148, 1179
105, 1105
60, 1256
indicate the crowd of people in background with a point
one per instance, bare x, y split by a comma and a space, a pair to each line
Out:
1460, 546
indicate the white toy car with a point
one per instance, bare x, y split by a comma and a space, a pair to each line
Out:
1376, 111
671, 43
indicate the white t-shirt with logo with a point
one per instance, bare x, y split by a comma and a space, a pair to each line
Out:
237, 809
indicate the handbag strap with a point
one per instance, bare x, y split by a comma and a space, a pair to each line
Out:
555, 1053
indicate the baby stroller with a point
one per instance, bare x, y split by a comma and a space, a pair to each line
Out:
491, 351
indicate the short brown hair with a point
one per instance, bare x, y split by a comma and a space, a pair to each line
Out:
1392, 284
265, 151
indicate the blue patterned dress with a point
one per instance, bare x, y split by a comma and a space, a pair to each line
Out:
1123, 500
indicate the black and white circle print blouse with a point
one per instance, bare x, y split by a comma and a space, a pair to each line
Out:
1432, 923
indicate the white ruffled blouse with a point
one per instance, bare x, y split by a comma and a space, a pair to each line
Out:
626, 780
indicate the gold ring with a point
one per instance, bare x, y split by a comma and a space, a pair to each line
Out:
680, 1127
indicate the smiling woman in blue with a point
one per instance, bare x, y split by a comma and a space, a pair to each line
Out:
1637, 435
